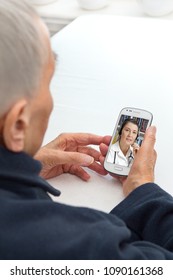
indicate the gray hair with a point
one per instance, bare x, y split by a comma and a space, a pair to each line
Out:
23, 52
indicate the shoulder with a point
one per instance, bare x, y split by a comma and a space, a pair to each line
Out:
115, 147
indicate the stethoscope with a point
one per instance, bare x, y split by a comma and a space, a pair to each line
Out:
130, 158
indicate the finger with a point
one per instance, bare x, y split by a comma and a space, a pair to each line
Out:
107, 140
79, 172
83, 139
97, 140
70, 141
76, 158
122, 179
89, 151
149, 139
97, 167
101, 160
103, 149
57, 157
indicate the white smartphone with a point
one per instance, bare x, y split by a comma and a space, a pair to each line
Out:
126, 140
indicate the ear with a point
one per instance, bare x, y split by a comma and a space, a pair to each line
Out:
15, 126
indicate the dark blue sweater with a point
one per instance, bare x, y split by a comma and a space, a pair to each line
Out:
32, 226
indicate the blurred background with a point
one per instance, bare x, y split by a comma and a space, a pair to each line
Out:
59, 13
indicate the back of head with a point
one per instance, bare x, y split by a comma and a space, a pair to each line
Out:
23, 52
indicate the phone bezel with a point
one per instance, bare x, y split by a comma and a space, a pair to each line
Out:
131, 112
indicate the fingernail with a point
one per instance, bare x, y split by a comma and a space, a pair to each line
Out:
88, 160
152, 129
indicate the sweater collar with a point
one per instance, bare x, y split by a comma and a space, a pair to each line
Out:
22, 166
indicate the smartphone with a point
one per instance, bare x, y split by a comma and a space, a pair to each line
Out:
126, 140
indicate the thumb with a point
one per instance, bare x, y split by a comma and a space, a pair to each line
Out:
149, 139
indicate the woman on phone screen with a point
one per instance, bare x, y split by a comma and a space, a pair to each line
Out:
122, 152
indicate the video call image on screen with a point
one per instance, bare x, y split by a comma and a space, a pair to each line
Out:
127, 140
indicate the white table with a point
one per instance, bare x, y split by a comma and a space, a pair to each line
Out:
106, 63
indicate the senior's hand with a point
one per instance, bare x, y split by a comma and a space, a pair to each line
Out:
142, 170
68, 153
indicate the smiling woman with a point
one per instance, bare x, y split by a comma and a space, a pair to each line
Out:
124, 149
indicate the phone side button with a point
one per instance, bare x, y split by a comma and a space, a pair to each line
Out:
118, 168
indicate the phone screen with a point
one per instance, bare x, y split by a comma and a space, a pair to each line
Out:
126, 141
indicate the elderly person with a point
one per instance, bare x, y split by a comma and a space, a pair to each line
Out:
32, 226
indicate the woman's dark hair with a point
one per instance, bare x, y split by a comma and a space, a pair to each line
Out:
127, 121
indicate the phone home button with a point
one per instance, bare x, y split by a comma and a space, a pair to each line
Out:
118, 168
